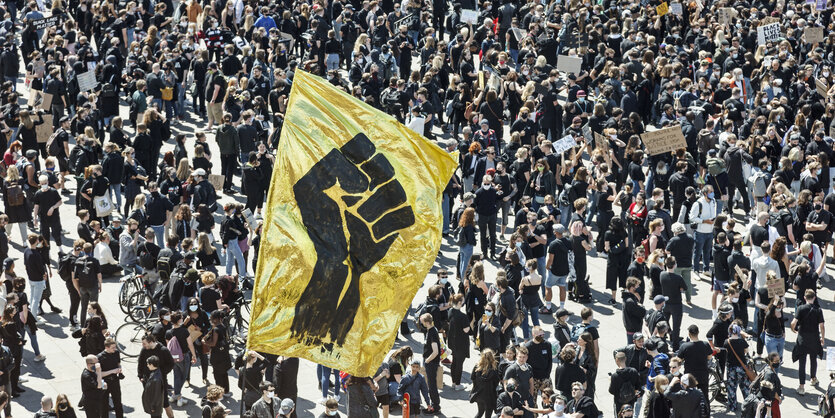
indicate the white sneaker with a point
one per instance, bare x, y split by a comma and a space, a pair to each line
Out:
22, 379
801, 390
814, 381
172, 399
40, 321
322, 401
336, 397
40, 357
181, 401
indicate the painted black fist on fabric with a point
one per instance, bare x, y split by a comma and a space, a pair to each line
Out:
374, 211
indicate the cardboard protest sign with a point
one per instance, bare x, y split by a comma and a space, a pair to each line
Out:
39, 100
588, 135
662, 9
813, 34
564, 144
569, 64
44, 130
469, 16
250, 218
664, 140
726, 15
87, 81
768, 33
518, 33
216, 180
601, 143
776, 287
830, 358
821, 87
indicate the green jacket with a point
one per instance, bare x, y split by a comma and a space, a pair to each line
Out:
141, 100
227, 140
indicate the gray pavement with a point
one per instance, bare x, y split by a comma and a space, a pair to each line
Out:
61, 371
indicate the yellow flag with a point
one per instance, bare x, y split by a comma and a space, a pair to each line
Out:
662, 9
351, 228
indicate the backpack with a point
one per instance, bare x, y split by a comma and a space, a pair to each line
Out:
715, 166
52, 144
84, 272
626, 393
577, 330
163, 295
146, 259
175, 349
565, 196
422, 309
164, 265
15, 195
757, 179
775, 219
108, 90
645, 244
390, 98
65, 266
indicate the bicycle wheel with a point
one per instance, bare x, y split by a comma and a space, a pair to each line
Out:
141, 306
238, 329
129, 338
715, 386
126, 289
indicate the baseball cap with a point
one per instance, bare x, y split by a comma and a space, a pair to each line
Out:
581, 93
577, 118
7, 262
485, 122
637, 336
659, 299
199, 172
64, 119
287, 406
213, 65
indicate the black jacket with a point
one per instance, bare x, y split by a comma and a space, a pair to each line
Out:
636, 358
166, 361
685, 402
152, 396
484, 386
457, 340
735, 157
633, 313
623, 376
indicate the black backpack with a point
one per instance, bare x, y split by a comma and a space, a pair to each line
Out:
626, 393
146, 258
65, 266
85, 272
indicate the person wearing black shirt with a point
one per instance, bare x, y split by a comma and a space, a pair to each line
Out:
558, 268
507, 311
718, 333
47, 200
158, 209
736, 347
633, 309
111, 370
486, 205
696, 354
624, 375
681, 247
805, 279
95, 402
818, 223
808, 324
432, 361
580, 403
671, 287
540, 360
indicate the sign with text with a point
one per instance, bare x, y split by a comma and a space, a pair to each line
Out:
565, 144
47, 22
821, 87
820, 5
87, 81
662, 9
588, 135
813, 34
569, 64
216, 180
519, 34
664, 140
39, 100
726, 15
601, 143
469, 16
676, 9
768, 33
776, 287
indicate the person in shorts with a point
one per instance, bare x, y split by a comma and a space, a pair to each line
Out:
558, 268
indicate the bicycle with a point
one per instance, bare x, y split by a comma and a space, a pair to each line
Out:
129, 285
129, 336
141, 304
717, 388
238, 326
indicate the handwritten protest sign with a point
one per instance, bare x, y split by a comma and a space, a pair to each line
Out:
601, 143
518, 33
726, 15
768, 33
821, 87
39, 100
588, 135
676, 9
820, 5
216, 180
569, 64
47, 22
664, 140
813, 34
469, 16
87, 81
776, 287
565, 144
44, 130
662, 9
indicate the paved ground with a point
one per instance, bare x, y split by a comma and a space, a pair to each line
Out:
61, 371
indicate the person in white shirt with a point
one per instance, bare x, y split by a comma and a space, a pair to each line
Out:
109, 265
703, 213
763, 264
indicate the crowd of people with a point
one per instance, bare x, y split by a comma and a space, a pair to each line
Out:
747, 204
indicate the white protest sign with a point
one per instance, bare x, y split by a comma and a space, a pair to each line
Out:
87, 81
469, 16
676, 9
569, 64
768, 33
565, 144
813, 34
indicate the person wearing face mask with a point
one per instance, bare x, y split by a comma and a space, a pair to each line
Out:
46, 202
164, 325
513, 398
458, 339
489, 330
197, 322
265, 407
331, 410
657, 405
486, 205
63, 408
111, 372
818, 223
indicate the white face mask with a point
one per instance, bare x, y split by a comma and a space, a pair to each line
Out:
332, 413
664, 387
559, 408
270, 394
167, 317
44, 187
485, 186
734, 300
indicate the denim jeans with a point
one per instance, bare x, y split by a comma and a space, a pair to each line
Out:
540, 268
332, 61
33, 339
130, 35
526, 328
465, 253
181, 101
324, 375
775, 344
116, 195
36, 289
233, 255
181, 371
159, 232
704, 246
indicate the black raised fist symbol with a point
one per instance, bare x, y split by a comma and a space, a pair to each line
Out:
349, 236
